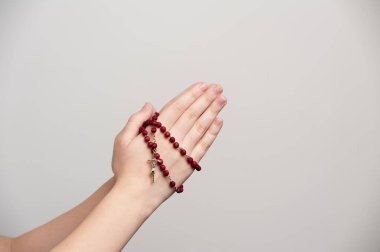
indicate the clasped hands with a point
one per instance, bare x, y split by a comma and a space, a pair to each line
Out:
192, 117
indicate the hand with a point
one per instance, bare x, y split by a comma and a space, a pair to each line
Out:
191, 118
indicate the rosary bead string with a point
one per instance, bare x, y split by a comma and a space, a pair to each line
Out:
157, 160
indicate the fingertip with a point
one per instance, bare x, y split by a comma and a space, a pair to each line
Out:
218, 88
222, 100
148, 110
202, 86
219, 121
147, 106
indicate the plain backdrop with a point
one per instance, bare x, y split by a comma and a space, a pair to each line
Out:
297, 164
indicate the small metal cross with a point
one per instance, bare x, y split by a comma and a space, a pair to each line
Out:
153, 163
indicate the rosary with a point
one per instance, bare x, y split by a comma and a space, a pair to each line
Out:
156, 160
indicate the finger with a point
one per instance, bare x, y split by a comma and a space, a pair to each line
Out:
191, 115
203, 123
170, 113
135, 121
208, 138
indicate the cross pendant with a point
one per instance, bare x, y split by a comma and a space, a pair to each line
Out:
153, 163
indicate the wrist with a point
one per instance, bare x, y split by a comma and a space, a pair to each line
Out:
142, 196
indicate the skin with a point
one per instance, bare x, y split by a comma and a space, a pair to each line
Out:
108, 219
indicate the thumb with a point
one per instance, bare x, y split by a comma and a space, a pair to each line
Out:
131, 129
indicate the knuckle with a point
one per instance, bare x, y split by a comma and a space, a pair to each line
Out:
204, 146
200, 128
212, 135
194, 94
213, 132
133, 117
210, 98
214, 109
119, 140
191, 115
179, 107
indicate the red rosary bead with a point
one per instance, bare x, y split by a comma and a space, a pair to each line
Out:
147, 139
195, 165
146, 123
172, 184
180, 189
163, 129
153, 129
172, 139
157, 124
157, 155
162, 167
183, 152
175, 145
143, 131
166, 173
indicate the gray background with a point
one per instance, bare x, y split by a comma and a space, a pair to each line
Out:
296, 167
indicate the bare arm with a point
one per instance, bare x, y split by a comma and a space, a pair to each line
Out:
5, 244
192, 118
46, 236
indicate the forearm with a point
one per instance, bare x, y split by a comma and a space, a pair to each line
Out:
113, 222
5, 244
45, 237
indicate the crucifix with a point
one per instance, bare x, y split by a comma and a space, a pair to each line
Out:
153, 164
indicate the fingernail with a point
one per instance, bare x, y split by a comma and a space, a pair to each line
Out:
218, 89
203, 87
222, 100
218, 121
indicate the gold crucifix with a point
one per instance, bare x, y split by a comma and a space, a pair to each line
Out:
153, 164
